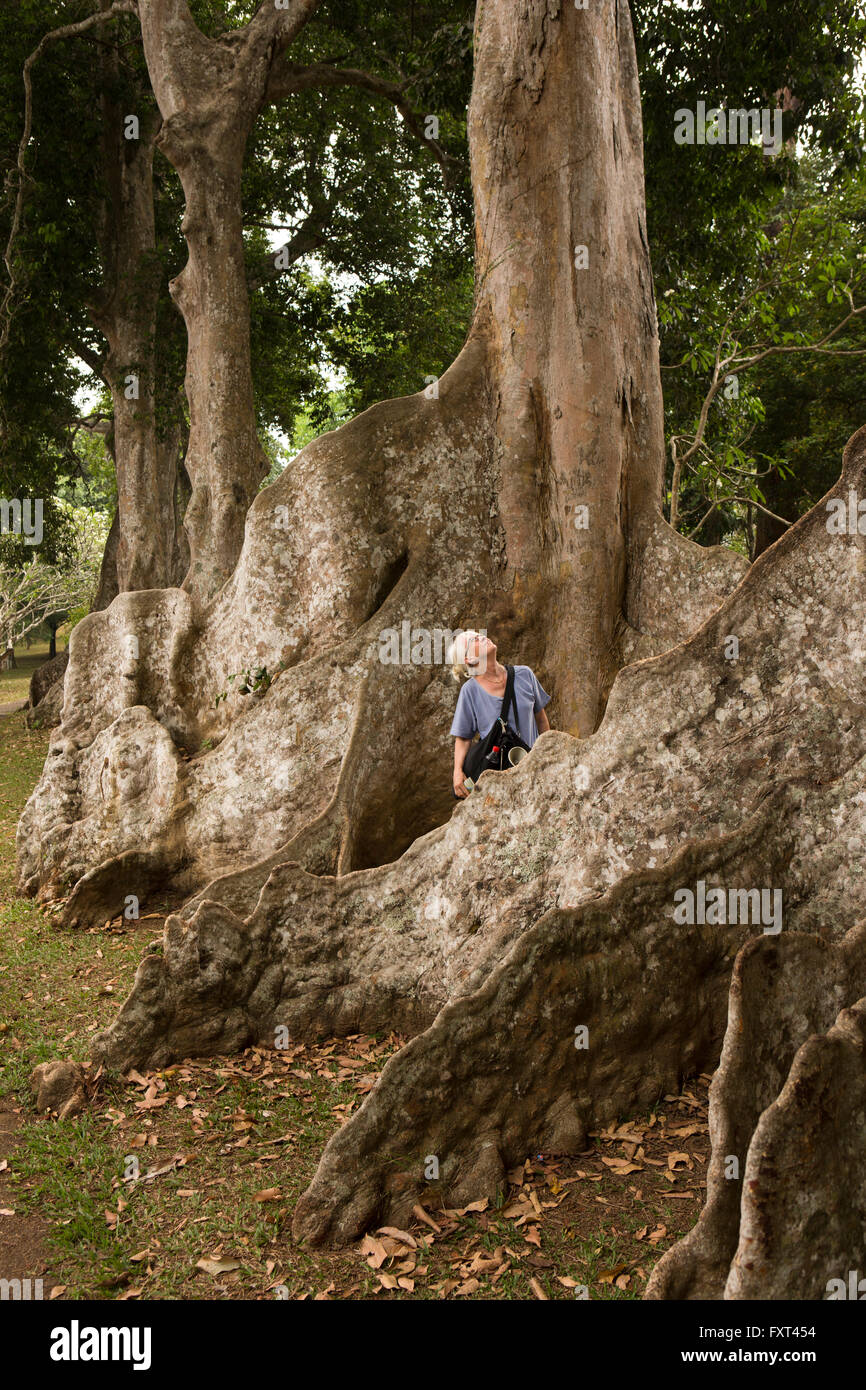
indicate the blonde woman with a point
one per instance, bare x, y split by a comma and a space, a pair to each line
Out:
472, 658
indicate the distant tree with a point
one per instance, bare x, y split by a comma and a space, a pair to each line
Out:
36, 591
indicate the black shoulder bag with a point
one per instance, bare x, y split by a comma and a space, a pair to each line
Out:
491, 753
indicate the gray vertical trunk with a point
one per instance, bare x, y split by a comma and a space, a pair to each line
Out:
125, 311
575, 391
209, 95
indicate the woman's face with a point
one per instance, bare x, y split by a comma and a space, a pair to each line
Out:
480, 653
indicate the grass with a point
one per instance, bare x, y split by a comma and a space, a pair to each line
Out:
15, 684
205, 1160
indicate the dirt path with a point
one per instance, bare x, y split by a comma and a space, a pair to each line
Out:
23, 1239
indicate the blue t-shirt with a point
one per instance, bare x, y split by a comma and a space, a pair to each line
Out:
477, 710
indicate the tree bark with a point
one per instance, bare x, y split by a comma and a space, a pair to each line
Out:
209, 93
768, 529
125, 312
547, 904
784, 1211
574, 388
108, 587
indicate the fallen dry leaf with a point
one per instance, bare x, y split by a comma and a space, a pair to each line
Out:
621, 1166
396, 1234
679, 1159
519, 1208
607, 1276
374, 1252
217, 1266
467, 1287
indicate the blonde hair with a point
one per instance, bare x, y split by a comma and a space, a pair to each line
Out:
456, 654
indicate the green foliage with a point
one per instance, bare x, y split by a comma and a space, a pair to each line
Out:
344, 154
74, 618
392, 244
309, 424
378, 294
717, 220
253, 682
774, 435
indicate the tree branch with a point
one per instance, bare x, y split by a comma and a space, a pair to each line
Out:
279, 26
722, 368
287, 78
89, 357
93, 424
308, 237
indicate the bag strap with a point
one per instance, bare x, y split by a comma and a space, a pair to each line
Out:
509, 699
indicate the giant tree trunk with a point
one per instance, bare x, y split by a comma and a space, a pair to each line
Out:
439, 511
567, 311
543, 902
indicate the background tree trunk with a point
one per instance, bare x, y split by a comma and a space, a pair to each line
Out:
126, 313
108, 586
209, 94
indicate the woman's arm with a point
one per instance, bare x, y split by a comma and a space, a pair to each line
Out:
542, 723
461, 748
